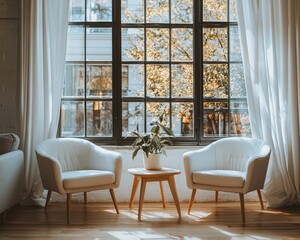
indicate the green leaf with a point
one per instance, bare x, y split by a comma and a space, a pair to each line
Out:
166, 142
154, 123
135, 153
135, 133
167, 130
145, 147
155, 129
161, 117
137, 142
147, 152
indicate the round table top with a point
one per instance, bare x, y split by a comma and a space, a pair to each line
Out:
142, 172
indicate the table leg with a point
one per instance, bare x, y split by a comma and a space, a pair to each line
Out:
141, 201
135, 184
162, 193
172, 185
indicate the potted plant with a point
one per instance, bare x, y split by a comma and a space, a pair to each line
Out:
152, 143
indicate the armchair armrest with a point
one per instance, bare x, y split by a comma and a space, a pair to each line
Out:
50, 172
202, 159
103, 159
256, 170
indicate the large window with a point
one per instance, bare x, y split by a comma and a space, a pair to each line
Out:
128, 61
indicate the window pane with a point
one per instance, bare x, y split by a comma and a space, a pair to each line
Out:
157, 11
154, 110
215, 119
99, 119
182, 44
72, 119
75, 43
232, 11
76, 10
215, 10
183, 119
215, 44
99, 44
133, 117
239, 119
235, 48
182, 81
215, 80
99, 81
74, 80
132, 11
99, 10
133, 80
133, 44
182, 11
237, 81
157, 44
158, 80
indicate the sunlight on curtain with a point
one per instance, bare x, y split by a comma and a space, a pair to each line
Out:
270, 47
43, 46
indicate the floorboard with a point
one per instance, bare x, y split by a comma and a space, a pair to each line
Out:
99, 221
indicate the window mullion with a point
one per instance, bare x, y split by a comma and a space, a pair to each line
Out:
117, 72
198, 66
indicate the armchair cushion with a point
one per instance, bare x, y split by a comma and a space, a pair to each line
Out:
86, 178
220, 178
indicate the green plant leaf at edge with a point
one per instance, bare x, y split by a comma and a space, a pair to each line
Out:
167, 130
135, 153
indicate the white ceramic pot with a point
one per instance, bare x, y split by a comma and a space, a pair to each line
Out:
152, 162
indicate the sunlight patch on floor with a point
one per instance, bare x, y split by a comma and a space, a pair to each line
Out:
148, 215
229, 234
147, 234
161, 215
277, 212
234, 236
198, 216
132, 214
260, 238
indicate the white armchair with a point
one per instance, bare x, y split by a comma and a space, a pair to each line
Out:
69, 165
236, 164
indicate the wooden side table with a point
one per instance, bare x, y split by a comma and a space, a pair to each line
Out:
165, 174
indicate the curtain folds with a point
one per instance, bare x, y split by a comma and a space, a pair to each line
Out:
270, 42
44, 25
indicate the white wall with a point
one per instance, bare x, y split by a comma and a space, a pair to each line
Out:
173, 160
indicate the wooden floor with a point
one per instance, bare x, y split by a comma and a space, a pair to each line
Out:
99, 221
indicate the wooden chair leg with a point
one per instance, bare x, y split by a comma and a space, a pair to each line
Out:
242, 206
192, 200
112, 194
260, 199
85, 197
69, 196
48, 199
216, 197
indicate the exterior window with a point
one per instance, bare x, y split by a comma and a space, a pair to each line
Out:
129, 61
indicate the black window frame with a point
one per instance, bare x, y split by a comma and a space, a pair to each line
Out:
198, 63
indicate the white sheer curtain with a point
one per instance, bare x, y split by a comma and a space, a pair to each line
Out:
44, 25
270, 39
